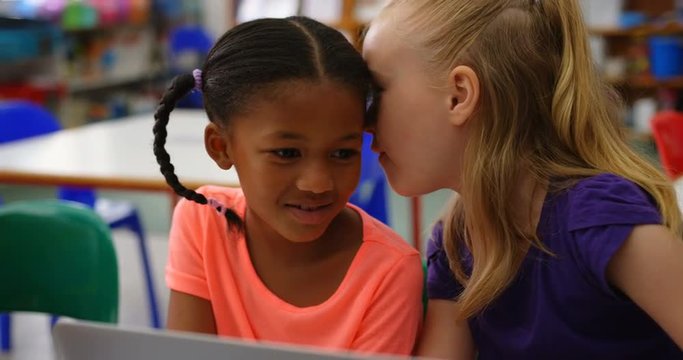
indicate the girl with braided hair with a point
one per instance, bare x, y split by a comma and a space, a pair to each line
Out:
286, 258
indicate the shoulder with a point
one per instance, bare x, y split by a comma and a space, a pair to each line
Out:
192, 220
387, 255
441, 283
382, 237
231, 197
435, 242
608, 199
228, 195
601, 213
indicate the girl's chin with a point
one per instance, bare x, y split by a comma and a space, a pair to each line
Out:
305, 235
305, 238
406, 188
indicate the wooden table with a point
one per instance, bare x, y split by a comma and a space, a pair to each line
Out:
115, 154
118, 154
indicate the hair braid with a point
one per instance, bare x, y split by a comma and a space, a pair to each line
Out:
180, 86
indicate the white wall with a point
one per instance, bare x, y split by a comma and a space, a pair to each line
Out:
217, 16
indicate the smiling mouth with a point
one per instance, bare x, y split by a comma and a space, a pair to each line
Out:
310, 214
309, 207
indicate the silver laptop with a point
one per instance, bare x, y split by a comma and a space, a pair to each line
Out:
81, 340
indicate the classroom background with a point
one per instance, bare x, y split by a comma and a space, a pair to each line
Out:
90, 62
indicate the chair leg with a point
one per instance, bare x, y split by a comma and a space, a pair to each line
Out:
153, 308
53, 320
5, 332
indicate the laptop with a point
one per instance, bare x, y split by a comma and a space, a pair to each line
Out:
83, 340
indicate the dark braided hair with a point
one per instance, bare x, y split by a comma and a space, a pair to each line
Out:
253, 57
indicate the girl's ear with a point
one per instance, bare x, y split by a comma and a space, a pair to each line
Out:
217, 144
463, 84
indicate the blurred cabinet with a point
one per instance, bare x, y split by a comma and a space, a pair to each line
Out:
107, 59
348, 16
31, 50
640, 51
355, 16
111, 71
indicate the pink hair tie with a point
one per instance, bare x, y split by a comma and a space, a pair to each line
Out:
197, 74
218, 206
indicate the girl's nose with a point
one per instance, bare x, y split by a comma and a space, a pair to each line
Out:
315, 179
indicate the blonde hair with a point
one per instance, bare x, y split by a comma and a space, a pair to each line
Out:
542, 106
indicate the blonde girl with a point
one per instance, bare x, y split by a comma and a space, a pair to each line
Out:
562, 242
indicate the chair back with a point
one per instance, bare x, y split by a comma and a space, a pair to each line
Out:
21, 119
667, 128
189, 45
371, 193
57, 257
190, 40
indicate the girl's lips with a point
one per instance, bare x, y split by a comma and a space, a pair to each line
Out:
310, 216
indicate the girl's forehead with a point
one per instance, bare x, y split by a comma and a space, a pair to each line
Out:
380, 40
322, 106
384, 45
297, 91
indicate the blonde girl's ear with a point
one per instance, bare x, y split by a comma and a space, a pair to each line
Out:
217, 144
463, 86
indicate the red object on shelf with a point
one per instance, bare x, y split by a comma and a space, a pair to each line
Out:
667, 128
45, 95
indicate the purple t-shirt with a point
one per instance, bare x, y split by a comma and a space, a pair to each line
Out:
562, 307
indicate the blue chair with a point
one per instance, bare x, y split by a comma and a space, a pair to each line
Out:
371, 193
22, 119
189, 45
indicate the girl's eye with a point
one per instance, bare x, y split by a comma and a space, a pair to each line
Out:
286, 153
344, 154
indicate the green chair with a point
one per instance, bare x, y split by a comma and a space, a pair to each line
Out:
56, 257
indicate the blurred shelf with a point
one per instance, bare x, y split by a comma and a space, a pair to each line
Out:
640, 31
349, 25
80, 86
648, 82
100, 29
639, 137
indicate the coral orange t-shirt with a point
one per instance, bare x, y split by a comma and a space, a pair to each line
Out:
377, 307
